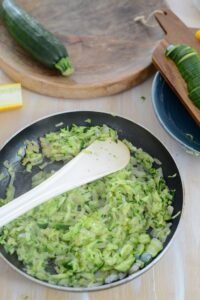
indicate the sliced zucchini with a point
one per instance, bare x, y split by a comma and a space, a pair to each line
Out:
187, 61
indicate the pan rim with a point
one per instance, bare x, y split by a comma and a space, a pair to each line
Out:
129, 277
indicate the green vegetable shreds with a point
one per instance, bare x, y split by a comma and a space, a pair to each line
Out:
97, 233
32, 157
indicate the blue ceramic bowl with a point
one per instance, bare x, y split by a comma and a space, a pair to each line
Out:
174, 117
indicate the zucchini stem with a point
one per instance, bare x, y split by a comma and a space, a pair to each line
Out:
64, 66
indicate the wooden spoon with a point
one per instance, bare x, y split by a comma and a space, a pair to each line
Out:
101, 158
176, 32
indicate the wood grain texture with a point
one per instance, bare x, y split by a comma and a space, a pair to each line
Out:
110, 51
176, 32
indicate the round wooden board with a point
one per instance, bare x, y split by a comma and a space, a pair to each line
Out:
110, 51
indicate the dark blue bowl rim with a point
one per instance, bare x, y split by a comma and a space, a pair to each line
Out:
153, 97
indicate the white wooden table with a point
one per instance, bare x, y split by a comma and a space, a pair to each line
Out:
176, 276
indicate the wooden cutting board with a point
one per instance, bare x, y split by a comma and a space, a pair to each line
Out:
110, 51
176, 33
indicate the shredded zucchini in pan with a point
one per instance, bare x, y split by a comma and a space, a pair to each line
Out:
97, 233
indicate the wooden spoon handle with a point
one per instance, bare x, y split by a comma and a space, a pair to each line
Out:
99, 159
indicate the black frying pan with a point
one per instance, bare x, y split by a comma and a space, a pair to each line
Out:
136, 134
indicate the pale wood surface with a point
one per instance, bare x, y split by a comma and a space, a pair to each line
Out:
110, 51
176, 276
168, 69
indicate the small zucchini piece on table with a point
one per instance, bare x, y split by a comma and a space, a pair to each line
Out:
187, 61
34, 38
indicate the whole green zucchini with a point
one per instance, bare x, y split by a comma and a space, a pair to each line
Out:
34, 38
187, 61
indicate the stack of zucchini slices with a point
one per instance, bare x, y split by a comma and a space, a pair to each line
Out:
187, 61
